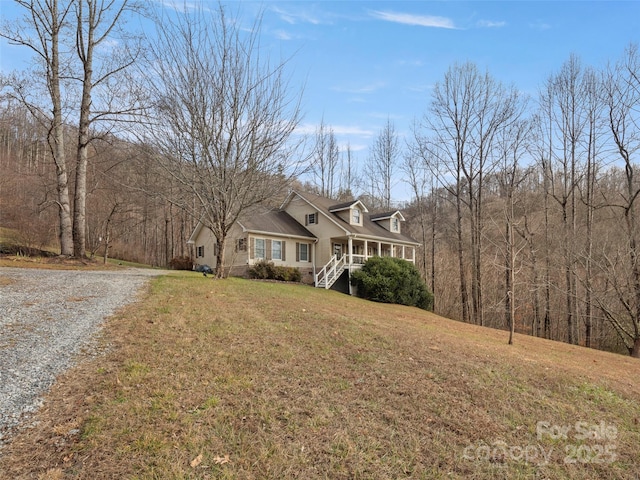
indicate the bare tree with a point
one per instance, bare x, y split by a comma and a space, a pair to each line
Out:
622, 98
40, 30
95, 22
591, 86
467, 111
225, 116
383, 160
62, 28
512, 146
325, 160
564, 102
349, 181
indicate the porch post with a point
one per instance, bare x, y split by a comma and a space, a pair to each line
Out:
366, 250
403, 257
350, 251
379, 249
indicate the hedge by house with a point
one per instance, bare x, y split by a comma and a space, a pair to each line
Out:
267, 270
392, 280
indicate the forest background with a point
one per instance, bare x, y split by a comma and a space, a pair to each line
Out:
526, 207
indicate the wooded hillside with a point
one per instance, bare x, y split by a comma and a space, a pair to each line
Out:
527, 208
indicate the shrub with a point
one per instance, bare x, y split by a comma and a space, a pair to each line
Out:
287, 274
268, 271
392, 280
262, 270
181, 263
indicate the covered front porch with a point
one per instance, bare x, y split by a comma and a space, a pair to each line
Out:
350, 253
358, 250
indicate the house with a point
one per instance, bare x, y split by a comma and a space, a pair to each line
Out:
324, 239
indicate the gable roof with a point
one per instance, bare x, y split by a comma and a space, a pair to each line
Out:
274, 222
347, 205
369, 228
270, 222
384, 216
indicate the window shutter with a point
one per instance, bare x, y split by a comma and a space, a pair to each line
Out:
284, 250
317, 217
297, 251
306, 219
252, 247
267, 249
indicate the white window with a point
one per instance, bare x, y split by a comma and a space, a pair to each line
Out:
395, 225
303, 252
259, 248
356, 216
276, 250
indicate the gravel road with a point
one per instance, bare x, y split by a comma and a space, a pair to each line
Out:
46, 317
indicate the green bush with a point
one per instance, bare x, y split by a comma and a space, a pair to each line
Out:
268, 271
392, 280
262, 270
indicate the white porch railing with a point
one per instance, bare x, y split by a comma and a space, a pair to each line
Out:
326, 277
358, 259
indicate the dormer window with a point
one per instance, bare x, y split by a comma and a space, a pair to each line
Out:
395, 224
356, 216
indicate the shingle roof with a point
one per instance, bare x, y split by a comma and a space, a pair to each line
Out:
275, 221
384, 215
369, 227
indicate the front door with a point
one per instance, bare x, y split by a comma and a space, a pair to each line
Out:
337, 250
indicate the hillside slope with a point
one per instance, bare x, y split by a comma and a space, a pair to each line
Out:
241, 379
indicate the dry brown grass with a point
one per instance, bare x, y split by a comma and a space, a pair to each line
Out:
53, 263
251, 380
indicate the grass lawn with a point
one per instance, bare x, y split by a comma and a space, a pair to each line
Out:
240, 379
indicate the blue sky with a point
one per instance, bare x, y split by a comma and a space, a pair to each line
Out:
364, 61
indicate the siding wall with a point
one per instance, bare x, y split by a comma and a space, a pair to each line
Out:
289, 246
324, 230
205, 239
239, 261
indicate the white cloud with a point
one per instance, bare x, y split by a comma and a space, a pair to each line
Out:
364, 89
282, 35
354, 147
425, 87
490, 24
410, 63
341, 130
352, 130
540, 25
181, 6
412, 19
296, 17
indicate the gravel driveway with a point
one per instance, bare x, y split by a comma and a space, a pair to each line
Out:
46, 317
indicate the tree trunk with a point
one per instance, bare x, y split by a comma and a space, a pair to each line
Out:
62, 188
85, 46
463, 281
635, 350
433, 251
222, 240
57, 137
509, 297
